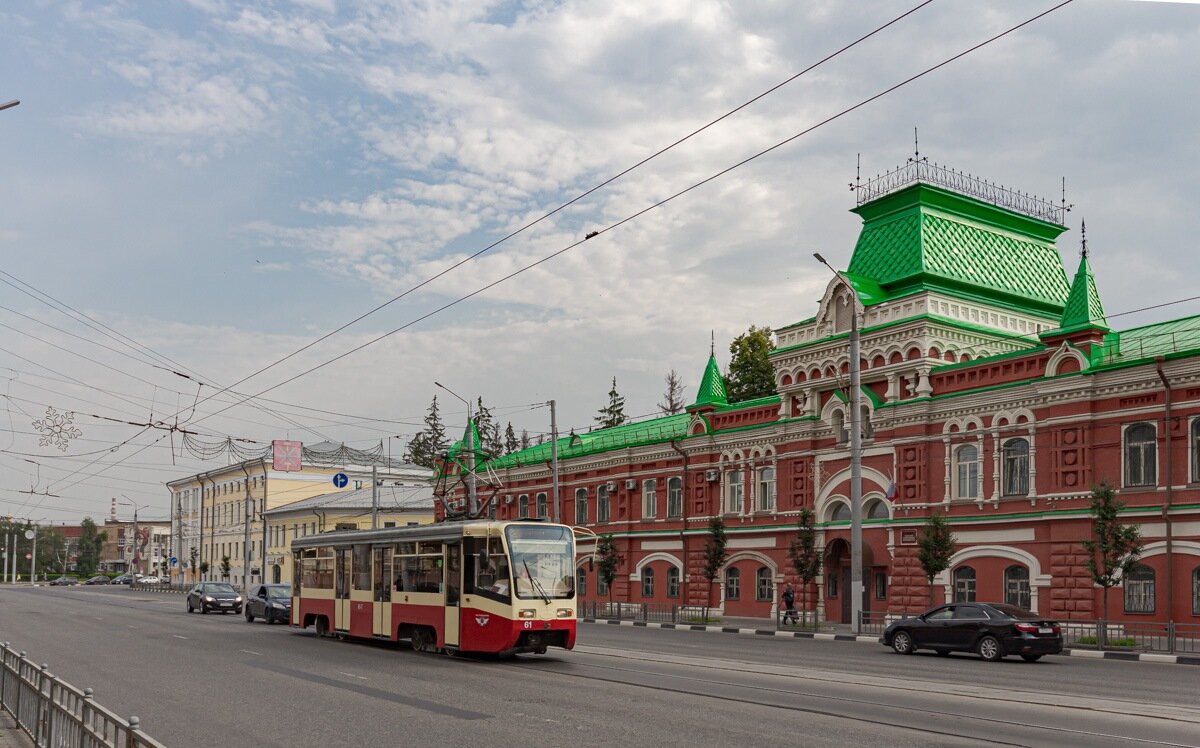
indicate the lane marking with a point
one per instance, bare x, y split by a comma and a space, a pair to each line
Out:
177, 636
352, 675
251, 652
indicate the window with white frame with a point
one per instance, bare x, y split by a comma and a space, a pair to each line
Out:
1015, 467
733, 584
765, 494
647, 582
1139, 590
603, 503
581, 506
1196, 451
1016, 586
1141, 455
523, 506
649, 498
840, 512
581, 581
877, 509
675, 497
964, 584
542, 508
966, 472
764, 585
735, 492
673, 581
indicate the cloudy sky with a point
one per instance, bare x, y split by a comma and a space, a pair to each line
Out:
226, 182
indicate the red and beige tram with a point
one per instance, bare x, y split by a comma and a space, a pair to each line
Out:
499, 587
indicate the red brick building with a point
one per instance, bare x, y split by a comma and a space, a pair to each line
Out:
995, 392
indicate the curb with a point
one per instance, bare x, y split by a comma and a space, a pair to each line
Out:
1162, 659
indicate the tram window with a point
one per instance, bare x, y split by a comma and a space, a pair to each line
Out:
406, 549
429, 547
317, 573
419, 573
492, 581
383, 574
362, 567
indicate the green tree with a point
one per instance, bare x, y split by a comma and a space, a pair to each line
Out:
612, 414
489, 430
429, 444
1114, 549
511, 443
806, 560
715, 553
91, 542
192, 556
204, 567
526, 443
672, 401
750, 372
608, 560
51, 550
935, 546
225, 568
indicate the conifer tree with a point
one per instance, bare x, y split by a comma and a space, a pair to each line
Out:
612, 414
672, 402
511, 444
428, 445
608, 560
525, 441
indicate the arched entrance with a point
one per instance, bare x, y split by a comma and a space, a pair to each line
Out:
837, 579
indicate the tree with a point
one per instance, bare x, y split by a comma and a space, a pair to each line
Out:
806, 561
750, 372
225, 568
935, 546
612, 414
715, 553
51, 550
673, 396
428, 445
608, 560
525, 442
90, 544
204, 567
511, 444
489, 431
1114, 549
192, 555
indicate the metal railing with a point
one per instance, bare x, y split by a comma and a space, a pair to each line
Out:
649, 612
58, 715
1133, 636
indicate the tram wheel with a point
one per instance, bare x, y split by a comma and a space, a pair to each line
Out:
322, 627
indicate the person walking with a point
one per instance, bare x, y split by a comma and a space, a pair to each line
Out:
789, 605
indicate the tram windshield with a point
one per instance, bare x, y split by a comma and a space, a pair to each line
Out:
543, 561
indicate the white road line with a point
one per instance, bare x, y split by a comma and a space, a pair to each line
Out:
352, 675
251, 652
177, 636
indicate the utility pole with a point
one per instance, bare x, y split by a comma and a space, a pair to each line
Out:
856, 570
472, 501
136, 540
554, 460
33, 558
246, 538
374, 497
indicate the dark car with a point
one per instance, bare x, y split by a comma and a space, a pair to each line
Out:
217, 596
99, 579
270, 602
994, 630
123, 579
66, 580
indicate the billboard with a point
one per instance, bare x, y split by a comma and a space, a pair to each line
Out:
286, 455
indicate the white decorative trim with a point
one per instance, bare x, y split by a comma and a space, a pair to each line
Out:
1036, 578
636, 575
1063, 353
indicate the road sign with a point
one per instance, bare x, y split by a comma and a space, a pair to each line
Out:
287, 456
29, 534
340, 480
28, 556
174, 561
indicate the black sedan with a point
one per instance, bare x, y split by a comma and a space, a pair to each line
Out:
66, 580
270, 602
217, 596
993, 630
99, 579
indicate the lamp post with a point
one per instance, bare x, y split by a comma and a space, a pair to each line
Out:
856, 570
9, 104
130, 502
472, 502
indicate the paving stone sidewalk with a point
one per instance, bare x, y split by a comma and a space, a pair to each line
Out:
12, 736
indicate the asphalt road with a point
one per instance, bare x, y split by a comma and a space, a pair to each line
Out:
216, 680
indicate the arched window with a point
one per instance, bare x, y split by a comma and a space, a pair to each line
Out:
1016, 467
1196, 451
1196, 591
675, 497
672, 582
733, 584
581, 581
603, 503
839, 427
840, 513
581, 507
964, 584
1141, 455
868, 430
542, 510
1139, 590
966, 471
523, 506
1016, 586
764, 585
647, 582
842, 309
876, 510
765, 495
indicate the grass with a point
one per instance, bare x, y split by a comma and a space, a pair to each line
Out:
1112, 641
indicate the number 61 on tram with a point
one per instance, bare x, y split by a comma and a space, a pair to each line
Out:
491, 587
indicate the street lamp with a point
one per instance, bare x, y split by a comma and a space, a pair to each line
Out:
856, 571
9, 104
472, 502
136, 507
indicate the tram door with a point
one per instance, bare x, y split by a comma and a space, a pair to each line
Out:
383, 591
453, 587
342, 591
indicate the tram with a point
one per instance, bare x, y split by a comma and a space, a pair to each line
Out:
474, 586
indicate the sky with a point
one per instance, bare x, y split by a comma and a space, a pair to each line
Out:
224, 183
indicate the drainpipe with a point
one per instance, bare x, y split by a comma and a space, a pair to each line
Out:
1167, 419
683, 527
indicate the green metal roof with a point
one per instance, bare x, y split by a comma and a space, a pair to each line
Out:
653, 431
1159, 339
1083, 309
925, 237
712, 386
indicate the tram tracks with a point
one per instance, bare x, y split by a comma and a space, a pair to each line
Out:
913, 705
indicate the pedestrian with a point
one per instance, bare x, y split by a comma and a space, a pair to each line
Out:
789, 604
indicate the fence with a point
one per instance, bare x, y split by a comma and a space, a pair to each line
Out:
649, 612
57, 714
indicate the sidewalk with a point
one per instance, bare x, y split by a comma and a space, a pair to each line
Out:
12, 736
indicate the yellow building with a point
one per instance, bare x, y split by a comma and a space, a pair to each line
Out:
399, 506
220, 513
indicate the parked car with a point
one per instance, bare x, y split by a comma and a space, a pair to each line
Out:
124, 579
149, 580
993, 630
270, 602
99, 579
66, 580
219, 596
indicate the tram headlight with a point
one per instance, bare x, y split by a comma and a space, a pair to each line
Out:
564, 612
527, 613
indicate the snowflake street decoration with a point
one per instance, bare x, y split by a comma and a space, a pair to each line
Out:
57, 429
